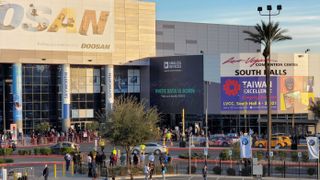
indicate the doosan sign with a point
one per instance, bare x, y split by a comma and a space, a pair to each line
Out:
74, 25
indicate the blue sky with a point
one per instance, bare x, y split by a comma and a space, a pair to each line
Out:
300, 17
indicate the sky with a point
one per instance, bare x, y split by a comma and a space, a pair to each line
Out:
300, 17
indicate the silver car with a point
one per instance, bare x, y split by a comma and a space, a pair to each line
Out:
150, 148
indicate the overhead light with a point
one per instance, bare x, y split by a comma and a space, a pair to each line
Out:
43, 59
259, 8
89, 60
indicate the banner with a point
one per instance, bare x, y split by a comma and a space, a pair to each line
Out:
247, 93
245, 147
60, 25
313, 147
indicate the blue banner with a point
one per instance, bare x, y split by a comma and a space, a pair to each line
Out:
17, 92
247, 93
245, 147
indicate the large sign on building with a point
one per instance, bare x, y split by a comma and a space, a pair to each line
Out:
176, 83
60, 25
243, 85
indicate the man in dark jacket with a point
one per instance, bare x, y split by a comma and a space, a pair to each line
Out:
45, 172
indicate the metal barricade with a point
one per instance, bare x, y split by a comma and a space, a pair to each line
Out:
21, 173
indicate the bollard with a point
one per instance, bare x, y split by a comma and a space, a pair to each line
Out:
63, 169
54, 170
15, 176
72, 168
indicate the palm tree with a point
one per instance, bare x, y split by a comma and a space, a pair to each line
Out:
266, 34
315, 108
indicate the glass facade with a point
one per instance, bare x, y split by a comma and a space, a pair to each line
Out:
85, 94
40, 95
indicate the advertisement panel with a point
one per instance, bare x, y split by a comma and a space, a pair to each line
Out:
17, 94
66, 91
176, 83
243, 83
296, 93
60, 25
247, 93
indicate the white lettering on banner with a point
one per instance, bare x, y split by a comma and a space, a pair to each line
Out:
172, 66
66, 84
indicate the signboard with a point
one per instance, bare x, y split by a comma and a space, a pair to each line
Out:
246, 93
243, 85
62, 25
177, 82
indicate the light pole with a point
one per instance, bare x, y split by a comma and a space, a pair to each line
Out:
267, 68
206, 119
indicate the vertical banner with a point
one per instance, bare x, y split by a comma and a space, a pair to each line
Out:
17, 95
109, 87
313, 147
65, 76
245, 147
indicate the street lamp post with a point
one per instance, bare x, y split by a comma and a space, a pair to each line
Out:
206, 119
267, 68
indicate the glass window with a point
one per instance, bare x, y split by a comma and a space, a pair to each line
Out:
28, 106
27, 89
36, 97
36, 106
28, 98
29, 114
36, 89
89, 105
36, 114
45, 114
28, 71
82, 97
36, 80
44, 89
44, 106
44, 97
82, 106
28, 80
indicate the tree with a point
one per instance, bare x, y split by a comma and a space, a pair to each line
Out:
266, 34
43, 127
315, 108
130, 124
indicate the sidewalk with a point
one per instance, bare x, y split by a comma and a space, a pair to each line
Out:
184, 177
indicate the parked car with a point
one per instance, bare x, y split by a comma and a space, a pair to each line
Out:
56, 149
150, 148
234, 137
275, 141
198, 140
286, 139
221, 141
214, 136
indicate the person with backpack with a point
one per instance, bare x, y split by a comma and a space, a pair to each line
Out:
163, 171
146, 171
45, 172
68, 159
205, 172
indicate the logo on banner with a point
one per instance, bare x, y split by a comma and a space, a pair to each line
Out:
231, 87
312, 142
245, 141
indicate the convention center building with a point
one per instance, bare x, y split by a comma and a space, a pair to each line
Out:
63, 63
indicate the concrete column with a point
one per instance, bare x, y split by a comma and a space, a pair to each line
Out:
17, 95
65, 82
109, 87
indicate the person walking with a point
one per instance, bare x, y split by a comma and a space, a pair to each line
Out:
151, 169
205, 172
45, 172
146, 171
68, 159
163, 171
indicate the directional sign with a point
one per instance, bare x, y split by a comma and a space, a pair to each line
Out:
205, 151
271, 154
230, 152
299, 155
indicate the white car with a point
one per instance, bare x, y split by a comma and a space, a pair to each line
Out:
154, 148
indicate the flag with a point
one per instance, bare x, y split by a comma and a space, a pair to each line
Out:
313, 147
245, 147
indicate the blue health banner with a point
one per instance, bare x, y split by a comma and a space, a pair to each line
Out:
247, 93
17, 92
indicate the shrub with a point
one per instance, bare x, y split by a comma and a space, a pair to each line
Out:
6, 151
294, 156
231, 172
66, 150
246, 171
282, 155
194, 155
311, 171
280, 169
45, 151
260, 155
224, 155
193, 169
217, 170
235, 151
6, 161
305, 157
36, 151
